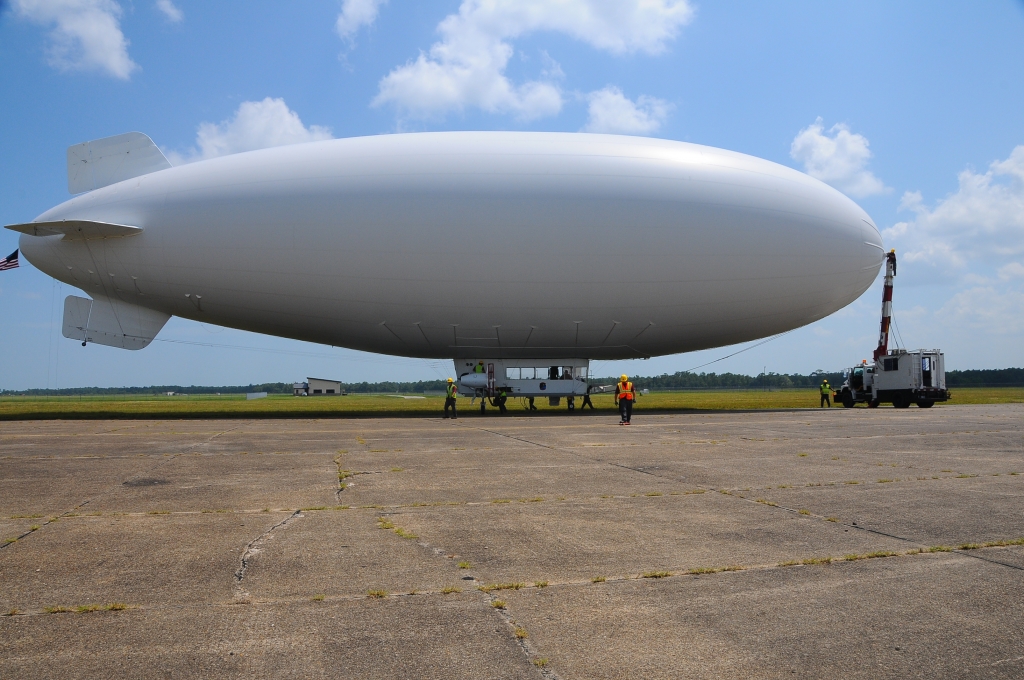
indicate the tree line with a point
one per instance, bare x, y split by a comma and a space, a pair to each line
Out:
681, 380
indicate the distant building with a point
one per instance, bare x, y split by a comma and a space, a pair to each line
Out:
317, 387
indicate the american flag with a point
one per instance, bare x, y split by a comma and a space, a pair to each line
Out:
9, 262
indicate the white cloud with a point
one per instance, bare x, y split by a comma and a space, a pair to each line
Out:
985, 309
840, 159
1014, 270
86, 34
170, 10
611, 111
467, 67
982, 222
355, 14
255, 125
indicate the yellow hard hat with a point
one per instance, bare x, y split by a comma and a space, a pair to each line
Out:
450, 380
625, 377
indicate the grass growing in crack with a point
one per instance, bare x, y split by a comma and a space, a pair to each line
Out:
802, 455
448, 590
852, 481
968, 546
521, 633
166, 512
885, 481
653, 493
657, 574
939, 548
804, 512
499, 604
464, 565
831, 519
501, 500
58, 610
870, 556
789, 563
500, 586
10, 540
540, 584
817, 560
86, 608
34, 527
385, 523
377, 594
598, 579
765, 501
317, 598
397, 469
13, 612
540, 663
316, 507
405, 534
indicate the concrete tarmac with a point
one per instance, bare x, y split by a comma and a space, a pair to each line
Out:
796, 544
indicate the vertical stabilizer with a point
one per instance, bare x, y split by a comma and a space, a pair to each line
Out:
96, 164
105, 321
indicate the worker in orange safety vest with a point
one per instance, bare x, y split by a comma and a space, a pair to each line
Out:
625, 394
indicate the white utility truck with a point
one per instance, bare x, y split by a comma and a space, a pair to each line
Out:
899, 376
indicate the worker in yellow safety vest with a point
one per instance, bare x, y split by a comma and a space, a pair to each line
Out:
826, 393
479, 368
625, 394
449, 400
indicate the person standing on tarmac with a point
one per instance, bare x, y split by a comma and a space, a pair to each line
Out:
449, 400
625, 394
586, 400
826, 393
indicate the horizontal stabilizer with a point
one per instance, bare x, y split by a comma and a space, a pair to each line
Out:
111, 322
101, 162
76, 229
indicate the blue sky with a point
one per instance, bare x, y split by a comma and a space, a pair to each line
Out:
911, 108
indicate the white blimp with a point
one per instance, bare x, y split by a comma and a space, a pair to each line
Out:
533, 253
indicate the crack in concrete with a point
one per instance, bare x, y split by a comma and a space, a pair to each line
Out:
86, 502
251, 550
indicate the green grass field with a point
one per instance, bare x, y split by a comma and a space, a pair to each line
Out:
285, 406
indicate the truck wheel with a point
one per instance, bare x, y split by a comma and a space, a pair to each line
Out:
847, 399
925, 403
901, 401
572, 403
873, 403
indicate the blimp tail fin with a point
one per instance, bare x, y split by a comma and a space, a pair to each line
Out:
111, 322
96, 164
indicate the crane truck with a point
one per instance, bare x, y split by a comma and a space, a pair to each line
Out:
898, 376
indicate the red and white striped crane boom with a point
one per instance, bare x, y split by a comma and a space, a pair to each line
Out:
883, 334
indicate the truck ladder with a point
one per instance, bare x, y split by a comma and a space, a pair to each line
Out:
883, 335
